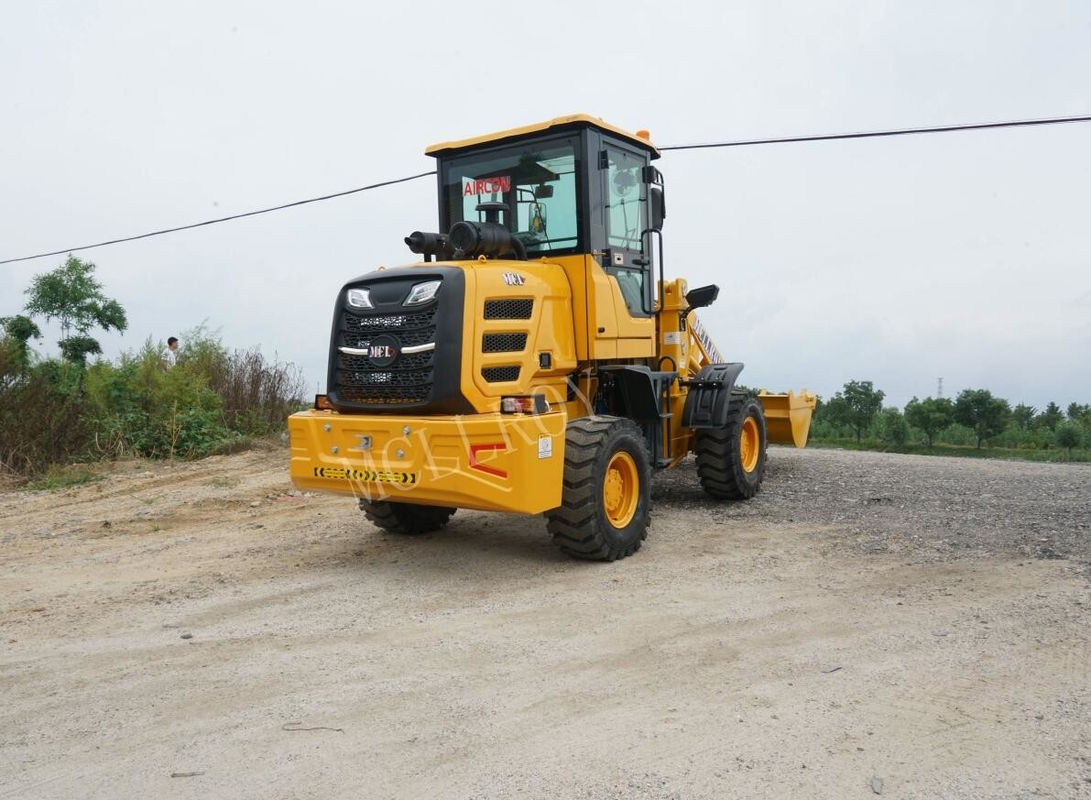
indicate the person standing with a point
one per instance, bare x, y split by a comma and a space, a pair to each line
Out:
168, 359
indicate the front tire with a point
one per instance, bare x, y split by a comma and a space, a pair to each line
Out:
606, 499
731, 459
405, 518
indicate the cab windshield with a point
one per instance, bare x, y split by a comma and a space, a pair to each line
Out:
530, 190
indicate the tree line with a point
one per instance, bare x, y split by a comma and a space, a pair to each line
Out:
974, 416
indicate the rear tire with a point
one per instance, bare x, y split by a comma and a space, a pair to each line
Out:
405, 518
731, 459
606, 499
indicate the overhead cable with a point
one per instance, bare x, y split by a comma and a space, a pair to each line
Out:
824, 137
64, 250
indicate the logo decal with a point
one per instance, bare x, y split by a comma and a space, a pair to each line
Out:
382, 350
514, 279
706, 341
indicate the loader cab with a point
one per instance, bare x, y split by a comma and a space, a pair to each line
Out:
569, 187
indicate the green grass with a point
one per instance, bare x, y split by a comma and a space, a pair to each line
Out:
63, 477
1078, 455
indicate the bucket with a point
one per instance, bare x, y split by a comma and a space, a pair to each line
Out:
787, 416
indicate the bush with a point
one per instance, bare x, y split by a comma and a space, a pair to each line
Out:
40, 420
56, 412
892, 427
1069, 435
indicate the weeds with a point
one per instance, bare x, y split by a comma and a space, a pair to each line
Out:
57, 477
213, 401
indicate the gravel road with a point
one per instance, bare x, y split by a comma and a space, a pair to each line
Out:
911, 626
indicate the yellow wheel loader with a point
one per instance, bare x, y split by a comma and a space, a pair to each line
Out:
535, 360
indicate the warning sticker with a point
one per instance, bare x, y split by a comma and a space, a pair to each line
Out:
545, 446
366, 475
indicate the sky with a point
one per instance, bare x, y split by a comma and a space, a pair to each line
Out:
961, 256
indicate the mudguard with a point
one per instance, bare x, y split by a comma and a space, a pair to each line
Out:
709, 394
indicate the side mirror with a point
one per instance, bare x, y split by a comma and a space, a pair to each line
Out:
702, 297
658, 207
657, 198
543, 192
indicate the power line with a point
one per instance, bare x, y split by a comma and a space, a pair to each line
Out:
825, 137
221, 219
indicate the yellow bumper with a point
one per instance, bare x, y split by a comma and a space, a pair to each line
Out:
493, 462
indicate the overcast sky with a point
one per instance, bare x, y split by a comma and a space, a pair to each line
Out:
901, 260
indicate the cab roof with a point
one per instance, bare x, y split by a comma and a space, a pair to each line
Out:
641, 139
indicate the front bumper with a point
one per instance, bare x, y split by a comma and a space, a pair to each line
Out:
493, 462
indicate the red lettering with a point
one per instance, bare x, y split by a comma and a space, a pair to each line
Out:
495, 185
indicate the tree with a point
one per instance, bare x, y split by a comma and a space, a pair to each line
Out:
1023, 416
1069, 435
72, 295
856, 407
982, 413
18, 331
931, 415
893, 426
1051, 417
1079, 413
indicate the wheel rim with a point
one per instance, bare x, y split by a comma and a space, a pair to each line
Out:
621, 490
749, 444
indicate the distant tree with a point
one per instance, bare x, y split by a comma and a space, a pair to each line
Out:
1051, 417
931, 415
77, 348
72, 295
1023, 416
18, 331
1079, 413
982, 413
856, 407
893, 426
1069, 435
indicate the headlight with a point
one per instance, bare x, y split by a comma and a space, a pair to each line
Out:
422, 293
359, 298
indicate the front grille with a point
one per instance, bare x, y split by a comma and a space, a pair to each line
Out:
387, 394
508, 309
415, 328
503, 342
500, 374
362, 364
408, 379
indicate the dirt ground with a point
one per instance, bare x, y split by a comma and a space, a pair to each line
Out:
915, 627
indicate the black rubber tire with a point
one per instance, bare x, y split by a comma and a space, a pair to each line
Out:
581, 527
720, 466
405, 518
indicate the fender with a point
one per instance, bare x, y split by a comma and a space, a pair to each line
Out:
709, 395
640, 390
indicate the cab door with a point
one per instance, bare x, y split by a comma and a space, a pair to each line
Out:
625, 218
623, 323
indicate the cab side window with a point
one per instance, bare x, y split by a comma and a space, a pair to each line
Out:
626, 211
626, 219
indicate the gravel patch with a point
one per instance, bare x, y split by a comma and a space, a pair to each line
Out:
930, 507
